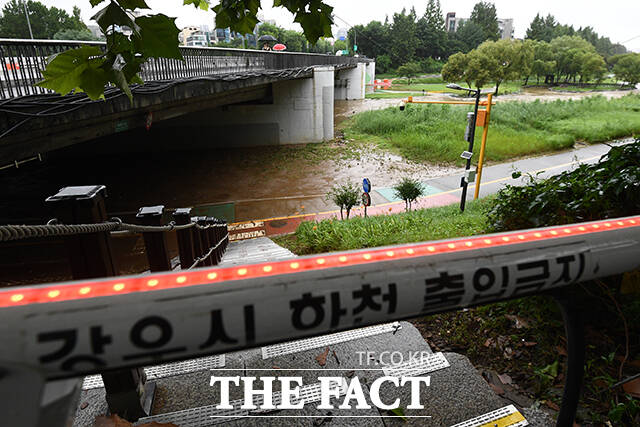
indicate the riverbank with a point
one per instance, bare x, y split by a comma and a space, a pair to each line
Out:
433, 133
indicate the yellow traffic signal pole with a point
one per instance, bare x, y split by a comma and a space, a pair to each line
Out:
485, 132
484, 124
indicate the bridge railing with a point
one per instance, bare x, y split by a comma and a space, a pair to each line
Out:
22, 62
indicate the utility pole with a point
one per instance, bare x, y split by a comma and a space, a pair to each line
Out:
26, 14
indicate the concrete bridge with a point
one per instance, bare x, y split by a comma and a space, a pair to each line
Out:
232, 96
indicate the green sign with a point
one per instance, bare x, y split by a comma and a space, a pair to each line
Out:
355, 47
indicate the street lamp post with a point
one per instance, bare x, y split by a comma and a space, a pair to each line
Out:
471, 128
26, 14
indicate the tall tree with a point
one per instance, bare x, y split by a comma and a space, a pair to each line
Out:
484, 14
507, 63
627, 68
431, 32
455, 70
542, 29
536, 30
372, 39
568, 52
403, 39
544, 63
592, 67
470, 35
45, 22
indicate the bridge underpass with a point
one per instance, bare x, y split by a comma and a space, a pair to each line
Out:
240, 96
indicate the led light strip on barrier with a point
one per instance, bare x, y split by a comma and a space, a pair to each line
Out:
70, 329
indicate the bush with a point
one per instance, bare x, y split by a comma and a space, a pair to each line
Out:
607, 189
408, 190
431, 66
345, 196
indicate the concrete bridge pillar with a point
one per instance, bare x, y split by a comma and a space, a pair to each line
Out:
351, 83
295, 112
370, 77
323, 91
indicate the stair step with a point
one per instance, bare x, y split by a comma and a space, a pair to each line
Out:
166, 370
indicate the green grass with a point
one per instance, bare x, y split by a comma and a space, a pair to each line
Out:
434, 133
505, 88
416, 226
421, 80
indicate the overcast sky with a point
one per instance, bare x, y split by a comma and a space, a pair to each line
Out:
616, 19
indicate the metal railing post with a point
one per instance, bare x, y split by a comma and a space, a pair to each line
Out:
155, 243
90, 256
185, 237
574, 331
204, 241
212, 232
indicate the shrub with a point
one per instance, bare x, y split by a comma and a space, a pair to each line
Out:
345, 196
408, 190
607, 189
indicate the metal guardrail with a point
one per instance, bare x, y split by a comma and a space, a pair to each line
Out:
22, 62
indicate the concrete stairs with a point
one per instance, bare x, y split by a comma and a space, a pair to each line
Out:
457, 394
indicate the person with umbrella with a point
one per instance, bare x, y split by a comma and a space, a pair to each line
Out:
266, 39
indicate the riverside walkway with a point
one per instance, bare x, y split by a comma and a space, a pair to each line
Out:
440, 191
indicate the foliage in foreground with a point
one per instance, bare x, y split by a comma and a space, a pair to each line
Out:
525, 340
415, 226
88, 69
434, 133
607, 189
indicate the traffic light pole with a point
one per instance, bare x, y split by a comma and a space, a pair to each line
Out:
472, 130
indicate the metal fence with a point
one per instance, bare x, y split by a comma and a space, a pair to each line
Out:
22, 62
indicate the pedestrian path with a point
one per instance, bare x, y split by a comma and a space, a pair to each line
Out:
446, 190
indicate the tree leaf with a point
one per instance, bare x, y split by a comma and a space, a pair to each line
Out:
133, 4
65, 72
322, 357
94, 3
114, 15
118, 78
93, 80
239, 15
398, 412
202, 4
159, 36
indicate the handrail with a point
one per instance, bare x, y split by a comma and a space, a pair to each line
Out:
466, 272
